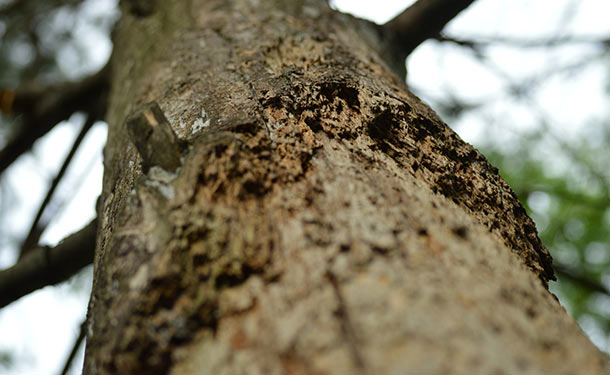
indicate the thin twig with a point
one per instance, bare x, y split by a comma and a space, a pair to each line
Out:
484, 42
75, 346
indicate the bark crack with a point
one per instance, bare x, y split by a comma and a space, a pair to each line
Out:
347, 328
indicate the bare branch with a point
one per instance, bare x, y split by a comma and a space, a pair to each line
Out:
43, 107
423, 20
47, 266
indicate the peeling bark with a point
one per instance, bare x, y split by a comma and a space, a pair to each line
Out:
323, 220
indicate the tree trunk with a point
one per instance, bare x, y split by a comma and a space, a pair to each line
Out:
321, 220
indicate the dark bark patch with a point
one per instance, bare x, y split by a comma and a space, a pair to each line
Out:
229, 280
380, 250
141, 8
344, 248
449, 185
388, 130
337, 89
460, 231
380, 128
234, 165
314, 124
249, 127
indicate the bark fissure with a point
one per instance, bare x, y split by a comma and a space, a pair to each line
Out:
346, 325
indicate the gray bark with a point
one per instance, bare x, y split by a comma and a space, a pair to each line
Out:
323, 220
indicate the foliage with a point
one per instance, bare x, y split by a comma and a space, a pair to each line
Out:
50, 41
6, 359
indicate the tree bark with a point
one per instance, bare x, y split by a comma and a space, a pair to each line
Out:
322, 221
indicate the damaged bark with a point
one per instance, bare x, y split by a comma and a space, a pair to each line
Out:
322, 219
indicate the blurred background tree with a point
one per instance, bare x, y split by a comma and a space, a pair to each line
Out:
525, 83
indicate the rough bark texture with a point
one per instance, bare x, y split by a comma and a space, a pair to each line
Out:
323, 221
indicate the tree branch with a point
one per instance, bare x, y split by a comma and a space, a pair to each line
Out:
580, 279
47, 266
423, 20
36, 230
43, 107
